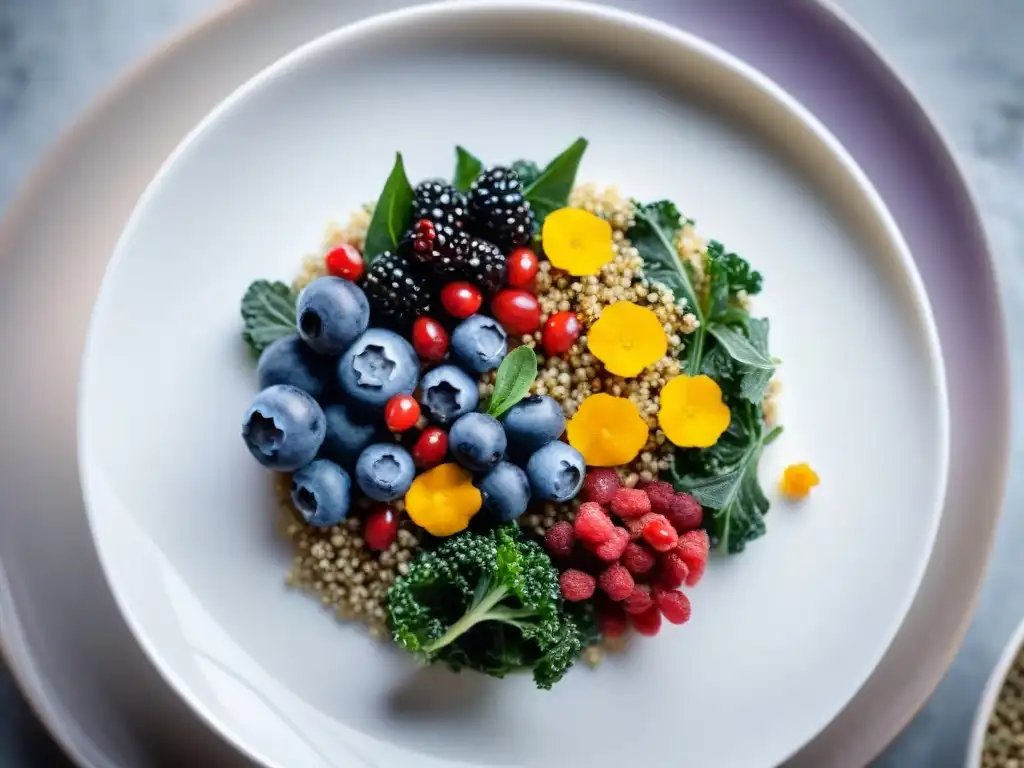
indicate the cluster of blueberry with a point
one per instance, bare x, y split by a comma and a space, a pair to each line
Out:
337, 408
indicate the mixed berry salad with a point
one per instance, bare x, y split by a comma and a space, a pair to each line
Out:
513, 416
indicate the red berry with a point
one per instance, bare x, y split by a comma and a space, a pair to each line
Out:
686, 513
611, 619
576, 585
344, 261
380, 529
429, 339
593, 524
647, 623
674, 605
638, 559
522, 267
660, 493
517, 311
401, 413
639, 599
560, 332
611, 550
600, 484
559, 539
659, 533
693, 549
635, 527
461, 299
629, 503
430, 447
616, 582
672, 571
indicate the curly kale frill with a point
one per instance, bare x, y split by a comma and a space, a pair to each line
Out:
489, 602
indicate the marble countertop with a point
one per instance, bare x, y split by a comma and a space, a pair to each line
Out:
965, 58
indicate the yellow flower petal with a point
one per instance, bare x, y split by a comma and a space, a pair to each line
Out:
627, 338
797, 481
691, 412
607, 430
443, 500
577, 241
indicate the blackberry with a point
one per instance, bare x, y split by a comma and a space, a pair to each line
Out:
441, 203
431, 243
498, 209
481, 263
397, 291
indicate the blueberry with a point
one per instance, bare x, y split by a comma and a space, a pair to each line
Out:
479, 343
346, 437
378, 366
332, 312
531, 424
284, 428
446, 393
556, 472
291, 361
385, 471
506, 491
477, 441
321, 491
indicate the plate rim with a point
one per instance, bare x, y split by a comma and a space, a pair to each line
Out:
827, 19
481, 9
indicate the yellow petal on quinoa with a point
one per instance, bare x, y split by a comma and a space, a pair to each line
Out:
607, 430
797, 481
627, 338
577, 241
443, 500
691, 412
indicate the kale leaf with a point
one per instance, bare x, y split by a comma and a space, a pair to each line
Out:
268, 314
489, 602
527, 171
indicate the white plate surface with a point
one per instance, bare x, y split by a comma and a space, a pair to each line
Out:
60, 631
177, 506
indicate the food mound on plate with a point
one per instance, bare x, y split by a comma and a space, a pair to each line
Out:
512, 416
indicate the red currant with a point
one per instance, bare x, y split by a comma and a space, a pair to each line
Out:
430, 339
517, 311
344, 261
461, 299
560, 332
522, 267
380, 529
401, 413
430, 448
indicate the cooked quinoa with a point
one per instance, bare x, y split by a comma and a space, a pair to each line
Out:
335, 565
1004, 740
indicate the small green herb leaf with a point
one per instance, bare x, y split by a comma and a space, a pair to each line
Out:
392, 213
756, 368
654, 235
527, 171
467, 168
515, 377
550, 191
268, 311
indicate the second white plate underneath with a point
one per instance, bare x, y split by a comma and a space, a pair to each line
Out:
194, 567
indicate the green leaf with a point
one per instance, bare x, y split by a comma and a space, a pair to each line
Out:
550, 191
467, 168
392, 214
723, 479
527, 171
654, 236
756, 367
516, 375
268, 311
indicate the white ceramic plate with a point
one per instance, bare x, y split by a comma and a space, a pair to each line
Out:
61, 633
176, 505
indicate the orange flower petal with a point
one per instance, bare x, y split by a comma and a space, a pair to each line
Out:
577, 241
691, 411
609, 431
797, 481
443, 500
627, 338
